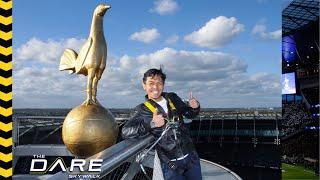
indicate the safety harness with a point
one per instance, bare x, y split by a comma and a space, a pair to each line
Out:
170, 121
173, 109
153, 109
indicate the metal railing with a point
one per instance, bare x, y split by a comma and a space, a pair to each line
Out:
25, 124
114, 156
118, 159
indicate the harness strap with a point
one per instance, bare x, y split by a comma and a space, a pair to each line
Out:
150, 106
153, 109
171, 105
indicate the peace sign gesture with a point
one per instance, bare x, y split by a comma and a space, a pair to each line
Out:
193, 101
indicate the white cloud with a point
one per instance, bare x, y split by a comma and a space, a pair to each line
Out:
164, 7
172, 39
216, 33
46, 51
197, 65
145, 35
217, 80
276, 34
260, 29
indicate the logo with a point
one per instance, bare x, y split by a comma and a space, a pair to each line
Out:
91, 167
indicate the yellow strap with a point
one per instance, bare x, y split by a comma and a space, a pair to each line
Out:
153, 109
150, 106
171, 105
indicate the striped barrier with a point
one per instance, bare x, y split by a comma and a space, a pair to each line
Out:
5, 89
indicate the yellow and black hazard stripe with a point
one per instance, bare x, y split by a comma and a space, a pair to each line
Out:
6, 89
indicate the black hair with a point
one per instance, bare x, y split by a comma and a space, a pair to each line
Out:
152, 73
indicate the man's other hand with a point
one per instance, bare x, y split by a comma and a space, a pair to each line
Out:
193, 101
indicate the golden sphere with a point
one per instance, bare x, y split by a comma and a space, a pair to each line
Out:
89, 129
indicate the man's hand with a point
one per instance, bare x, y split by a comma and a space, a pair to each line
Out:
158, 120
193, 101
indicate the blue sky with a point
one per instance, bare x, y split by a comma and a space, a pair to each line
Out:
144, 34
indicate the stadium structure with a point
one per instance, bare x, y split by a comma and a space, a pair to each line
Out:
232, 143
300, 84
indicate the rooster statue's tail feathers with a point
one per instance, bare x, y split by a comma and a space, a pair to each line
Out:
68, 61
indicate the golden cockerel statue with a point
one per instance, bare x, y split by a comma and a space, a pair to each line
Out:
91, 59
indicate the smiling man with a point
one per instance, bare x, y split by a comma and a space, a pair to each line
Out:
177, 155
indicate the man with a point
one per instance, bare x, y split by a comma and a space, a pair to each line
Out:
177, 154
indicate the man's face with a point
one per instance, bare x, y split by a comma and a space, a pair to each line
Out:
153, 87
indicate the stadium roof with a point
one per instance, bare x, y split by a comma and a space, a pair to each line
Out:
298, 14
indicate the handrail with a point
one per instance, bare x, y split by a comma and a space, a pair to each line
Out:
115, 155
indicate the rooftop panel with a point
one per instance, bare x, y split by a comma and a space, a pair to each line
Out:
298, 14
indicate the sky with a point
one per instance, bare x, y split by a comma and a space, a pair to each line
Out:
227, 52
